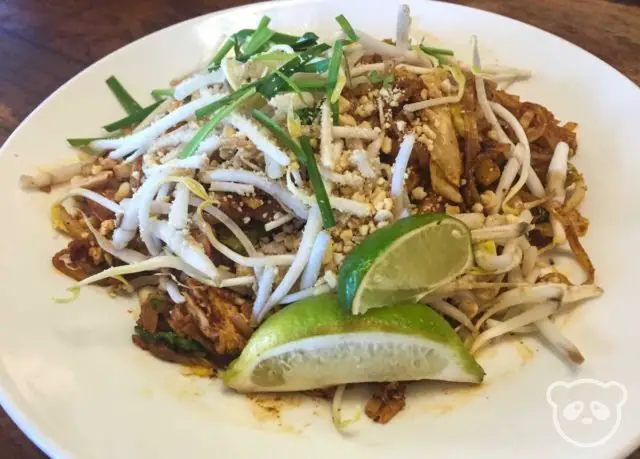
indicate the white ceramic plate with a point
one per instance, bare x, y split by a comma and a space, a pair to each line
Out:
72, 380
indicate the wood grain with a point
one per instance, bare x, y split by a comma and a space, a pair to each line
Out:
43, 43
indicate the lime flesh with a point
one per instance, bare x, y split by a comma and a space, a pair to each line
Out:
404, 261
315, 343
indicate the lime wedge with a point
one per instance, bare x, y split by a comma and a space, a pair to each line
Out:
316, 343
404, 261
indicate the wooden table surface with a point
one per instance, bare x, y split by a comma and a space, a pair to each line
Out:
43, 43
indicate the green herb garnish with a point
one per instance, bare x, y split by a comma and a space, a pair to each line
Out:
222, 52
132, 119
320, 66
83, 142
171, 340
375, 78
161, 94
439, 53
304, 154
291, 84
308, 115
346, 28
213, 106
257, 41
128, 103
216, 119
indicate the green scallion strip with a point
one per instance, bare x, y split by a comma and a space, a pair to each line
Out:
128, 103
320, 66
274, 56
307, 40
260, 37
335, 113
216, 119
291, 84
334, 67
271, 84
132, 119
222, 52
161, 94
83, 142
346, 28
212, 107
311, 85
304, 154
435, 51
317, 184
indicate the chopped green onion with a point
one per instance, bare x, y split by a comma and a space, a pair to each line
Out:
305, 156
308, 114
319, 66
258, 39
213, 106
345, 66
161, 94
134, 118
346, 28
439, 53
335, 113
171, 340
433, 51
297, 43
222, 52
375, 78
334, 67
271, 84
274, 56
317, 184
216, 119
128, 103
311, 85
307, 40
83, 142
291, 84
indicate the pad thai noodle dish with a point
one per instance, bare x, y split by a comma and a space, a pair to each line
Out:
300, 215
